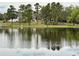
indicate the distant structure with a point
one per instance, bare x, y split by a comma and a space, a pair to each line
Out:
14, 20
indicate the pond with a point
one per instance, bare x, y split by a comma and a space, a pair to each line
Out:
39, 41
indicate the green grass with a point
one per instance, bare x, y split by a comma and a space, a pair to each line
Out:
35, 25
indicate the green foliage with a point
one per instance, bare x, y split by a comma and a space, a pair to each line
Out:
29, 13
1, 17
74, 16
21, 12
37, 7
45, 13
77, 18
11, 12
25, 13
52, 13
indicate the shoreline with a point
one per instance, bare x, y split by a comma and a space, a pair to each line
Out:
25, 25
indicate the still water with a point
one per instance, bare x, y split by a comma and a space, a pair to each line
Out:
40, 41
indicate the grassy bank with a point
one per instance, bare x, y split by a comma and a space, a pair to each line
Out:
35, 25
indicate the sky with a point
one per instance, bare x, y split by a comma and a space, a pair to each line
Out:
5, 5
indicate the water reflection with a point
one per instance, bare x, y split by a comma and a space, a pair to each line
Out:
52, 39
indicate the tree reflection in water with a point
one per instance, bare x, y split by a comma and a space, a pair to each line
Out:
49, 38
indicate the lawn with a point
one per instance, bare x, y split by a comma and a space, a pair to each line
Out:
35, 25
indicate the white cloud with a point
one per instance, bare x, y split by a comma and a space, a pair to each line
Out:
5, 5
39, 0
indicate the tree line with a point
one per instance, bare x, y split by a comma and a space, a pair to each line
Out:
51, 13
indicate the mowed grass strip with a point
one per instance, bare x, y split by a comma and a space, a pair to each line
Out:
23, 25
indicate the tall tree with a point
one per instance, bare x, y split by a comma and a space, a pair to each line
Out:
21, 12
68, 11
74, 15
29, 13
37, 7
25, 13
56, 11
46, 13
11, 12
43, 14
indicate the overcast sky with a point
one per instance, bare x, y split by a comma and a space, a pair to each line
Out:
5, 5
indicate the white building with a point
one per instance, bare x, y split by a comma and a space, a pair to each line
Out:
13, 20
